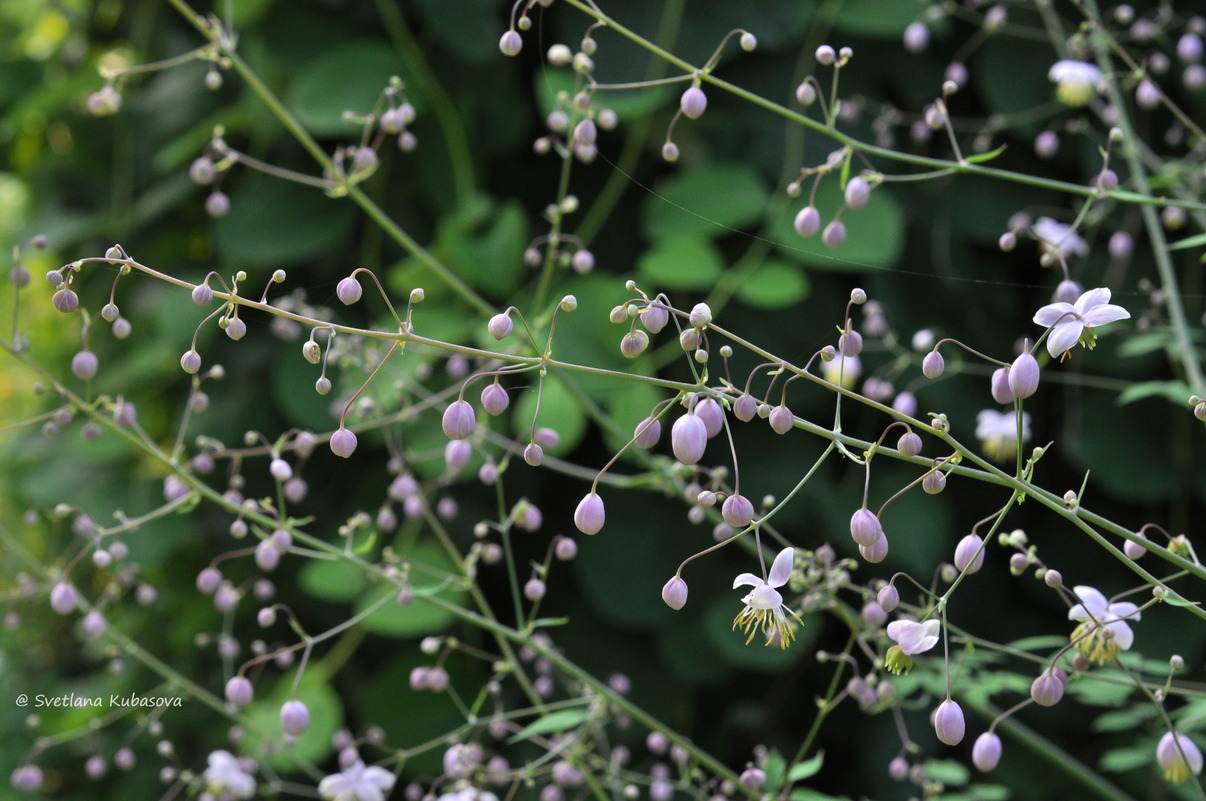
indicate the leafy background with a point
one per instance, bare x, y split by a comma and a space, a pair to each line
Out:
715, 226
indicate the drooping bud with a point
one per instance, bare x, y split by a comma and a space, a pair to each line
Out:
969, 553
808, 221
674, 593
737, 511
712, 415
986, 752
647, 432
1047, 689
495, 399
865, 527
888, 597
459, 420
511, 43
909, 443
343, 443
933, 364
348, 290
693, 102
295, 717
745, 408
590, 514
500, 326
948, 722
1001, 391
688, 438
781, 419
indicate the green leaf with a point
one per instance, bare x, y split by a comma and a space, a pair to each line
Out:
274, 223
1121, 760
774, 285
332, 580
947, 771
552, 723
680, 263
806, 769
416, 618
877, 19
348, 76
775, 766
1177, 392
711, 200
1139, 344
980, 158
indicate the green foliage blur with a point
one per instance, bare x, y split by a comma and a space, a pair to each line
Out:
715, 226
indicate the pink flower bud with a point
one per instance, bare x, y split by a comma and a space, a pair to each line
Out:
688, 438
343, 443
510, 44
909, 443
295, 717
808, 221
781, 419
865, 527
986, 752
675, 593
933, 364
969, 554
876, 552
858, 191
693, 102
1047, 689
1001, 391
737, 511
239, 691
654, 317
948, 722
1024, 375
647, 432
500, 326
495, 399
459, 420
712, 415
348, 290
85, 364
888, 598
745, 408
63, 598
834, 234
590, 514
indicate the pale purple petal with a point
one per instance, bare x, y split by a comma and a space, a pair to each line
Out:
780, 570
1093, 298
1123, 636
1053, 313
1105, 313
1123, 610
1064, 337
1092, 604
764, 597
747, 580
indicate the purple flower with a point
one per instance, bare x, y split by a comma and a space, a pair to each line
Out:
1076, 322
357, 783
226, 777
1179, 757
913, 637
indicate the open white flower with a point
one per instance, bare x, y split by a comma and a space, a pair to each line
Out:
227, 777
998, 431
1076, 81
914, 637
1058, 239
764, 607
1103, 629
1076, 322
357, 783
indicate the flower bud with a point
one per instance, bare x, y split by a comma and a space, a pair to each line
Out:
295, 717
808, 221
969, 553
1001, 391
888, 598
934, 482
909, 443
63, 598
65, 301
737, 511
834, 234
688, 438
343, 443
858, 191
745, 408
865, 527
500, 326
670, 152
84, 365
1024, 375
948, 722
876, 552
693, 102
190, 362
674, 593
933, 364
700, 316
634, 343
459, 420
348, 290
710, 412
583, 262
590, 514
850, 343
495, 399
654, 317
533, 454
236, 329
510, 44
749, 43
986, 752
1047, 689
647, 432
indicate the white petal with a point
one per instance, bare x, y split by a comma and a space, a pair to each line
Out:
1123, 636
1093, 298
1064, 337
780, 570
747, 580
1092, 604
766, 597
1052, 313
1123, 610
1105, 313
